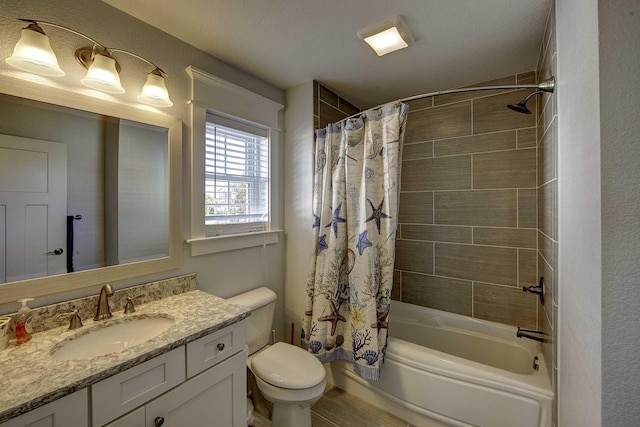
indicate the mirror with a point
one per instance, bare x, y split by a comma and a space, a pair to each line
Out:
96, 185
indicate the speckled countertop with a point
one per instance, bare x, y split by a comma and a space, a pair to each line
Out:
30, 377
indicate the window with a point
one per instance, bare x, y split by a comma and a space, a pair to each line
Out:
235, 146
236, 177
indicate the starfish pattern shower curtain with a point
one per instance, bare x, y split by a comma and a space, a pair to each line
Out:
355, 216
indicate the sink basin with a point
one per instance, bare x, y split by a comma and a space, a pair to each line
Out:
111, 337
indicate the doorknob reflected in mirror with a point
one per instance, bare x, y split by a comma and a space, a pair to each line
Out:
57, 251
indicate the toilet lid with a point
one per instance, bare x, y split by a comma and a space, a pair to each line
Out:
286, 366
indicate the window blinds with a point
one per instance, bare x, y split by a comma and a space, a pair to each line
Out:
236, 177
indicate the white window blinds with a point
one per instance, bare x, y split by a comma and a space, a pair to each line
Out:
236, 177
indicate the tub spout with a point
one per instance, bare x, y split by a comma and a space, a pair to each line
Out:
531, 334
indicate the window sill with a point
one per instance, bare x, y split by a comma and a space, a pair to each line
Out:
213, 245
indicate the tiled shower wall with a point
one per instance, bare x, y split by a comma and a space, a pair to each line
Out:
468, 235
328, 107
548, 200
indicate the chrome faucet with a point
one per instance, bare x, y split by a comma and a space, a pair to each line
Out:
103, 311
531, 334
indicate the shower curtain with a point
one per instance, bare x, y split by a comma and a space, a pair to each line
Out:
355, 215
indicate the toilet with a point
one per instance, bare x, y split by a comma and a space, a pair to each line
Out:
287, 376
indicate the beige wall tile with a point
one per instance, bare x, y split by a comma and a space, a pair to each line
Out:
479, 263
414, 256
514, 237
527, 138
437, 292
329, 97
527, 208
416, 208
547, 155
547, 208
527, 267
396, 290
445, 173
437, 233
504, 305
346, 107
545, 270
546, 248
528, 78
328, 114
420, 150
437, 123
492, 208
420, 104
491, 114
476, 143
505, 169
457, 97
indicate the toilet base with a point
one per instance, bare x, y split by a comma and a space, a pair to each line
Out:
291, 415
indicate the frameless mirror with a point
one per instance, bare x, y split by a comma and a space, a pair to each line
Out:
87, 194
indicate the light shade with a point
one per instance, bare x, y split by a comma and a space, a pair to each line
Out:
102, 74
388, 36
155, 91
33, 53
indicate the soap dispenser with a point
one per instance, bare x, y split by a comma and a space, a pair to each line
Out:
23, 322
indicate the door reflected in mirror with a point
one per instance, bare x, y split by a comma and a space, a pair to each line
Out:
78, 190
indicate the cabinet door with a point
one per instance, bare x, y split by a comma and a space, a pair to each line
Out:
217, 397
132, 419
69, 411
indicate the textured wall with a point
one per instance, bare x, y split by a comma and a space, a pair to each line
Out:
468, 240
619, 25
579, 219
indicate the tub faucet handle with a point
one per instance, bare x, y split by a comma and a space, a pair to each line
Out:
538, 290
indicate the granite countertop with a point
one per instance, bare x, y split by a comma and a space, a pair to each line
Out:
30, 377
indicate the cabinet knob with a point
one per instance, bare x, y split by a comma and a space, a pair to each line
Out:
158, 421
220, 346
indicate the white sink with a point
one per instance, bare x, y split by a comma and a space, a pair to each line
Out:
111, 337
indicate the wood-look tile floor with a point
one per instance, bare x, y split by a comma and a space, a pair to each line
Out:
340, 409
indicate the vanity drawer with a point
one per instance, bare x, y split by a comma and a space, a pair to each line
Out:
134, 387
214, 348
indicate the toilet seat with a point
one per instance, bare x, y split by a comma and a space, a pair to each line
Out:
286, 366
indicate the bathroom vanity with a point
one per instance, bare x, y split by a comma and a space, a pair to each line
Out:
191, 374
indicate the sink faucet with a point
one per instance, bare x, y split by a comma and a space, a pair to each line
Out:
103, 310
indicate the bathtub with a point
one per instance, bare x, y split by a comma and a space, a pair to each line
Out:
444, 369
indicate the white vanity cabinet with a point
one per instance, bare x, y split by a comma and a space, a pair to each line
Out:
69, 411
202, 383
155, 393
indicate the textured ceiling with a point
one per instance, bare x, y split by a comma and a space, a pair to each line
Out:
288, 42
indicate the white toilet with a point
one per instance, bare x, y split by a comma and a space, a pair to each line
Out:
287, 376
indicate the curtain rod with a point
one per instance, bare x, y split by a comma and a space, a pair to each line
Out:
545, 86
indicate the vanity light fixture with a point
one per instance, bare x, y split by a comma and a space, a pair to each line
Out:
33, 53
387, 36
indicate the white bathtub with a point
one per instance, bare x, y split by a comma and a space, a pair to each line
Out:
445, 369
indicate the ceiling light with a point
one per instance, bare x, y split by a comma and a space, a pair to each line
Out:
103, 75
388, 36
155, 91
33, 53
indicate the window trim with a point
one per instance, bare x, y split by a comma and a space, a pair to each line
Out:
225, 99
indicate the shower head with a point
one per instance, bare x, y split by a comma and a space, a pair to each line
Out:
521, 107
546, 86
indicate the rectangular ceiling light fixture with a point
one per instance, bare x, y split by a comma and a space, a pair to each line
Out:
387, 36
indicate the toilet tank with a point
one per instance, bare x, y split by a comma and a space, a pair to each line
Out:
262, 303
